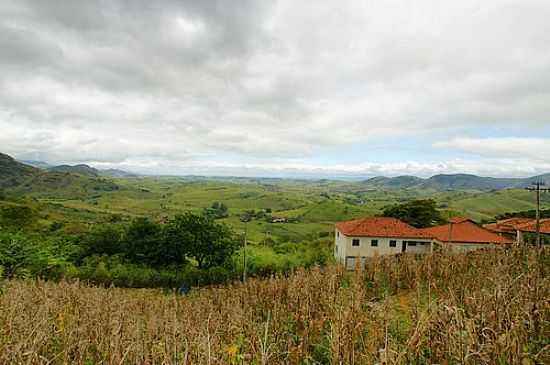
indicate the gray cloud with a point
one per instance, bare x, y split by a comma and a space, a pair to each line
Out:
162, 81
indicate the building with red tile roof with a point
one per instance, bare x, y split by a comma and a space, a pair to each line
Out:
531, 226
464, 231
380, 227
367, 237
357, 239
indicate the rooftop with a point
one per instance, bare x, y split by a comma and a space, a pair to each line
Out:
465, 231
380, 227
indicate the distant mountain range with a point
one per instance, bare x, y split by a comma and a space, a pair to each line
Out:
81, 169
20, 178
453, 182
13, 172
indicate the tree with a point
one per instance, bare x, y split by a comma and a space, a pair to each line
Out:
217, 210
200, 238
17, 216
417, 213
106, 240
144, 243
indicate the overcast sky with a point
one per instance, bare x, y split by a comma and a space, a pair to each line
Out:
278, 88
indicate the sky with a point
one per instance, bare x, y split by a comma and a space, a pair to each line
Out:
304, 88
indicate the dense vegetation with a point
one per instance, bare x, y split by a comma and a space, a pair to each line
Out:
487, 307
417, 213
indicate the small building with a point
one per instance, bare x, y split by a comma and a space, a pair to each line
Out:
531, 228
516, 228
462, 234
361, 238
367, 237
507, 228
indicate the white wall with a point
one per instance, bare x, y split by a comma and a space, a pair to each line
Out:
466, 247
344, 249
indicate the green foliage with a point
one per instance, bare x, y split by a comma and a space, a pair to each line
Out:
217, 211
417, 213
144, 243
22, 257
200, 238
18, 216
545, 213
105, 240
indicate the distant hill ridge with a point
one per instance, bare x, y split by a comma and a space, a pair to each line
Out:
453, 182
19, 178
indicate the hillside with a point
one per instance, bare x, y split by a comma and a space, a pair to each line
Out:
60, 182
12, 172
76, 169
453, 182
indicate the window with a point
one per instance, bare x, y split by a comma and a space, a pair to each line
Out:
336, 248
374, 243
350, 263
337, 234
411, 243
393, 243
355, 242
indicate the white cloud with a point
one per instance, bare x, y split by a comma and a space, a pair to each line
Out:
532, 149
164, 81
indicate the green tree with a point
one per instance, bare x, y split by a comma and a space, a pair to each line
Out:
201, 238
417, 213
17, 216
144, 243
106, 240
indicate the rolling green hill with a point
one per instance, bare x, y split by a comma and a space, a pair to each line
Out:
13, 173
453, 182
76, 169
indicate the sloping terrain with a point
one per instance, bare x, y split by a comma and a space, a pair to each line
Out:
13, 173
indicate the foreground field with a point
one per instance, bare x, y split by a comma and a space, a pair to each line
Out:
481, 308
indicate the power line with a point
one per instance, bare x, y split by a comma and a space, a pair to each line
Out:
537, 188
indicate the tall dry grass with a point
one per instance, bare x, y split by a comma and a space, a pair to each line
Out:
480, 308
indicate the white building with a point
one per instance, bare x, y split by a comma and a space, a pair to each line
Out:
362, 238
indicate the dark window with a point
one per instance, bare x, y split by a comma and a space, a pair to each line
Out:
393, 243
337, 234
411, 243
374, 243
355, 242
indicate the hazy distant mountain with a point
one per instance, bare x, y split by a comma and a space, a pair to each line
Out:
454, 182
19, 178
38, 164
76, 169
115, 173
399, 182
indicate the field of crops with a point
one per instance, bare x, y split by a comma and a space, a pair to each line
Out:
488, 307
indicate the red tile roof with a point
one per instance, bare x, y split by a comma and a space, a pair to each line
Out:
465, 231
532, 226
458, 219
507, 225
380, 227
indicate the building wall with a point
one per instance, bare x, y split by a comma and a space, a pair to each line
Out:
466, 247
345, 252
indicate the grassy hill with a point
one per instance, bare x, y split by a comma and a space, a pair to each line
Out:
463, 182
13, 173
76, 169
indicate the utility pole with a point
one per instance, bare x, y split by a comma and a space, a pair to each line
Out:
537, 188
244, 250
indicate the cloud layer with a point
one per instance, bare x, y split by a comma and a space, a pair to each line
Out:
181, 84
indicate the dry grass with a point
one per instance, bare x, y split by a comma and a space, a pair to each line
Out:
482, 308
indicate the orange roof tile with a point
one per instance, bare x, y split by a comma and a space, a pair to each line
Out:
465, 232
532, 226
380, 227
509, 225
